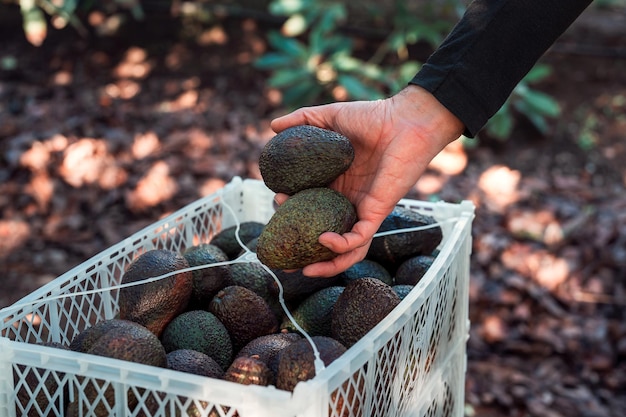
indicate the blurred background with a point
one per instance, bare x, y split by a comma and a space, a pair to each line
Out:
116, 113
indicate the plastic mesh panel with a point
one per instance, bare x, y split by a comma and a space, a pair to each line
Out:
412, 364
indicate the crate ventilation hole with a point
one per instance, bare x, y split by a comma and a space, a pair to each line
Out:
247, 257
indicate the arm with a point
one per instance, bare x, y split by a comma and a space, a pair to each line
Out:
490, 50
463, 83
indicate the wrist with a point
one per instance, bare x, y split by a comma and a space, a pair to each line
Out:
437, 120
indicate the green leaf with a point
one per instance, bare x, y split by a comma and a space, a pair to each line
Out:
272, 60
347, 63
287, 77
408, 70
537, 73
536, 118
542, 103
357, 89
337, 45
302, 94
500, 125
287, 7
288, 46
330, 18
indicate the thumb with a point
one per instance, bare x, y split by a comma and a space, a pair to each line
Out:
319, 116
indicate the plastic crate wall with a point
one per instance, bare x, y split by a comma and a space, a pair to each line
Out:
411, 364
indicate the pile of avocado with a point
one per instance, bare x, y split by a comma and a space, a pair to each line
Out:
226, 321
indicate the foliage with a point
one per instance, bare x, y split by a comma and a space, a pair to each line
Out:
313, 60
535, 105
64, 12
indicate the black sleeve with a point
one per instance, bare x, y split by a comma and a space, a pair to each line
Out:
489, 51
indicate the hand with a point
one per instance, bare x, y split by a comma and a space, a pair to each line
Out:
394, 141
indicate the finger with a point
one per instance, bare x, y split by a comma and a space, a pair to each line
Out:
319, 116
291, 119
337, 265
360, 235
280, 198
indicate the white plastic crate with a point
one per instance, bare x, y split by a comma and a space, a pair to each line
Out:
411, 364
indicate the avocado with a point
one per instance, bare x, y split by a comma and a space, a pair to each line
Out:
268, 348
367, 268
290, 239
314, 314
360, 307
297, 361
249, 370
154, 304
304, 157
244, 313
402, 290
207, 281
43, 385
296, 286
84, 340
194, 362
255, 277
227, 240
411, 271
130, 343
201, 331
393, 249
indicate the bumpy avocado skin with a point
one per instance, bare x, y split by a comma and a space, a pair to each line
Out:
393, 249
226, 239
314, 314
154, 304
361, 306
290, 239
304, 157
297, 360
244, 313
201, 331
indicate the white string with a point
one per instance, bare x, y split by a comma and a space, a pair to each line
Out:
247, 257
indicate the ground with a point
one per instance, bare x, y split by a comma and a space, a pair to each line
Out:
100, 137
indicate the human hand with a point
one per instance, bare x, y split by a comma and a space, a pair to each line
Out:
394, 140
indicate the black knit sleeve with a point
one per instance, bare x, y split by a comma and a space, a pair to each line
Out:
489, 51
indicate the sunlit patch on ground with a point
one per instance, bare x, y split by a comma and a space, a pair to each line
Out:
155, 187
13, 233
499, 186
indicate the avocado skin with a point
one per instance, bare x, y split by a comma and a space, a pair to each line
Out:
226, 239
248, 370
361, 306
296, 286
290, 238
391, 250
245, 314
411, 271
402, 290
201, 331
154, 304
131, 342
84, 340
206, 281
304, 156
314, 314
268, 348
367, 268
297, 360
194, 362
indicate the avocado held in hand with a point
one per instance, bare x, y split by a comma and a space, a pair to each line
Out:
304, 157
290, 239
